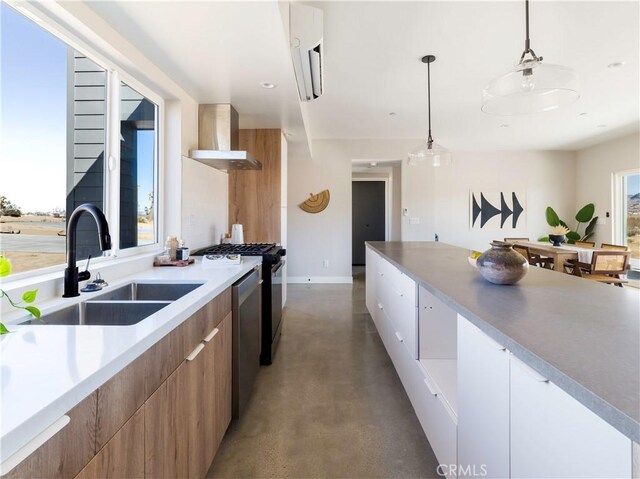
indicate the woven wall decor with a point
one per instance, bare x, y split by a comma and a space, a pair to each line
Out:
316, 203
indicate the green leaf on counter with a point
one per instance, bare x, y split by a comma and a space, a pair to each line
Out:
5, 266
3, 329
544, 238
586, 213
30, 296
552, 217
34, 311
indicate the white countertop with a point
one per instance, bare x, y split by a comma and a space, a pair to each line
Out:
45, 370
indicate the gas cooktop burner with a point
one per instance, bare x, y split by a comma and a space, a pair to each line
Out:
249, 249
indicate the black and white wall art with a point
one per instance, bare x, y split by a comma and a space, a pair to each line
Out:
497, 210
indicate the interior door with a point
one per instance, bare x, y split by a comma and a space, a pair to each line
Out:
368, 216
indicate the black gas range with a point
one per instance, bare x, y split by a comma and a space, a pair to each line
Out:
272, 264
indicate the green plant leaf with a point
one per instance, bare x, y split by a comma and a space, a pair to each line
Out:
591, 226
586, 237
34, 311
572, 236
3, 329
544, 238
586, 213
564, 224
552, 217
30, 296
5, 267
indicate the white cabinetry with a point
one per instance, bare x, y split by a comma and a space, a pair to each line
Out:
554, 436
483, 404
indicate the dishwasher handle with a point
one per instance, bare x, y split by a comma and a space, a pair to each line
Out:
245, 286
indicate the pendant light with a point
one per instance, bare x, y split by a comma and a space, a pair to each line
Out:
430, 151
532, 86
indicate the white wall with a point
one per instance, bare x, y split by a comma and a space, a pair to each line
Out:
440, 198
595, 170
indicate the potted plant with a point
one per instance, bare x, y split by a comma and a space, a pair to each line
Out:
557, 235
584, 216
27, 298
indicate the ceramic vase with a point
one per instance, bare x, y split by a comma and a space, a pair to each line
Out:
502, 264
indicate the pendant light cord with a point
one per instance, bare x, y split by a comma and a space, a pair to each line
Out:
527, 40
429, 140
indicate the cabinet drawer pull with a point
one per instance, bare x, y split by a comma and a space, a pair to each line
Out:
430, 386
211, 335
399, 336
380, 306
26, 450
530, 371
195, 352
449, 409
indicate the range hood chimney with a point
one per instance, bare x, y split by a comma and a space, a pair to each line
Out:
218, 140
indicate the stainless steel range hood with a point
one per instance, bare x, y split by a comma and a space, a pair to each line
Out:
218, 140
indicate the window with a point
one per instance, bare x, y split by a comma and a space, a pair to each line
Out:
631, 216
138, 140
55, 145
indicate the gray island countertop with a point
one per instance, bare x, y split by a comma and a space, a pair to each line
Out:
581, 335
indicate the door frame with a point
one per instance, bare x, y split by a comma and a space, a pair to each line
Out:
619, 220
387, 203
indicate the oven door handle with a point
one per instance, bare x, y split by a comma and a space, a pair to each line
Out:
279, 266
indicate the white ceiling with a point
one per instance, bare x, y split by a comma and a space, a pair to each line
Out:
221, 51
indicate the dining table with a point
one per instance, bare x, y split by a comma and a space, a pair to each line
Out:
560, 254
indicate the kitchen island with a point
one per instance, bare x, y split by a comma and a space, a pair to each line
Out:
580, 337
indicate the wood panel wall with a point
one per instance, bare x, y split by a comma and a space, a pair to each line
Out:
254, 195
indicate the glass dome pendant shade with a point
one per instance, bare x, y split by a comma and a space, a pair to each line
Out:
430, 151
532, 86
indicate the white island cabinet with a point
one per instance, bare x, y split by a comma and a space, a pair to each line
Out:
485, 412
483, 404
554, 436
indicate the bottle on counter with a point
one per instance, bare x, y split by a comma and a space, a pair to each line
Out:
172, 245
183, 252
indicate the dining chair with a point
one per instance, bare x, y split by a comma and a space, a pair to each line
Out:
605, 267
615, 247
571, 263
585, 244
513, 240
534, 259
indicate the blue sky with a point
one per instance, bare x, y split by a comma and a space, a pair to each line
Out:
633, 184
33, 75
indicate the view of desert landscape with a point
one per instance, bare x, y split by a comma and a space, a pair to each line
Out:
37, 241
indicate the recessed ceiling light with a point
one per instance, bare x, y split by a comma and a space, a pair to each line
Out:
393, 113
267, 85
584, 113
504, 125
616, 64
602, 126
372, 164
287, 134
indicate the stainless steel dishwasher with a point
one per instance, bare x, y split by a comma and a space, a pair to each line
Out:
247, 325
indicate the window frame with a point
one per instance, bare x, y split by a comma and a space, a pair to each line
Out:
115, 74
619, 192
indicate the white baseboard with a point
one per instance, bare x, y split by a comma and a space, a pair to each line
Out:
320, 279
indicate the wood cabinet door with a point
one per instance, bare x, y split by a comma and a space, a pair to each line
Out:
118, 400
198, 367
166, 428
122, 456
222, 365
68, 451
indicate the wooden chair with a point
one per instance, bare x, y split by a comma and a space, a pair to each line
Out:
571, 263
614, 247
513, 240
585, 244
533, 259
605, 267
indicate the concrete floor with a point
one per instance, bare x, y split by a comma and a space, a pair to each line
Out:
331, 405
